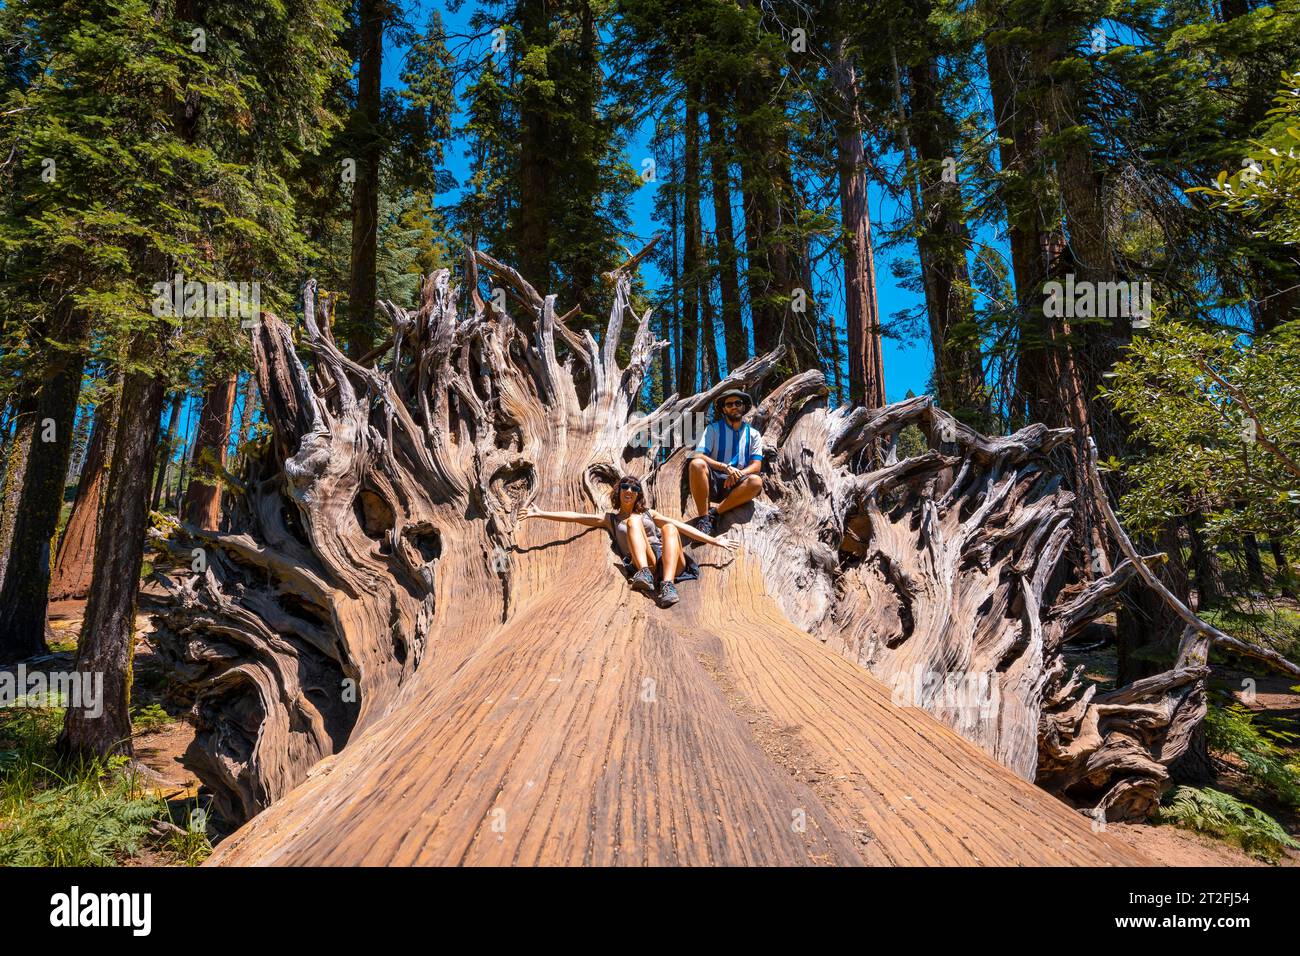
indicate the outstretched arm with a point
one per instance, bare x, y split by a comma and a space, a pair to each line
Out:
570, 517
727, 544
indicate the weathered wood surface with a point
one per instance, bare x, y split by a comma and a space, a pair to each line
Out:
385, 664
597, 728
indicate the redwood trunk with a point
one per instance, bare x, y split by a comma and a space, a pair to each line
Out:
774, 273
168, 449
75, 561
362, 282
1210, 586
17, 453
692, 245
107, 642
202, 507
733, 326
862, 310
532, 226
944, 239
24, 595
248, 398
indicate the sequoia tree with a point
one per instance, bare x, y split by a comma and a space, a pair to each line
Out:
376, 624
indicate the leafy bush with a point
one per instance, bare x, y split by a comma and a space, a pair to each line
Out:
1217, 814
95, 818
148, 719
1234, 729
1266, 191
1219, 421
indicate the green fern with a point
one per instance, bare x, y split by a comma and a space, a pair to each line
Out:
1220, 815
95, 813
1235, 729
97, 817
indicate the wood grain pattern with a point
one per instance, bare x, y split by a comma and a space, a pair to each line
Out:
549, 745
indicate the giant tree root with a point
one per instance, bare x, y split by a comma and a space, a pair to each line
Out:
385, 667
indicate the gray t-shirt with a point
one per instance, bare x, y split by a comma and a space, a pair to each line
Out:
620, 531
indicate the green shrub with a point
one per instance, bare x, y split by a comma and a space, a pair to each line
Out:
97, 817
1235, 729
148, 719
93, 813
1217, 814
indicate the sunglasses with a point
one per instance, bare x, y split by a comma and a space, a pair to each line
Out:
629, 486
734, 403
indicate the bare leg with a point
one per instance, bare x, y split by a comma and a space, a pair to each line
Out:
747, 489
699, 473
638, 544
673, 561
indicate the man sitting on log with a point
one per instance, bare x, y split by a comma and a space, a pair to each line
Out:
726, 461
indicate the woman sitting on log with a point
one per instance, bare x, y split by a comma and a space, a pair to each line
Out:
649, 543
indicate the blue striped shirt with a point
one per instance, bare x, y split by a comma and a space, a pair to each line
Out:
731, 446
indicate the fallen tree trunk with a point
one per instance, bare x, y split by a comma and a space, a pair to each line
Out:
379, 653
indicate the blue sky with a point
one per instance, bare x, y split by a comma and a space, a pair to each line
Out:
908, 365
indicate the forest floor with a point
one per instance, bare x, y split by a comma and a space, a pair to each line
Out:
162, 740
161, 746
161, 737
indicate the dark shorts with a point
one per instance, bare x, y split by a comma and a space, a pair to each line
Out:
690, 573
718, 493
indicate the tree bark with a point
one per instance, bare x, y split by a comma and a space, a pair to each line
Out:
168, 449
18, 453
532, 232
1210, 586
1285, 576
733, 326
1049, 382
1147, 633
862, 310
1254, 566
362, 282
959, 374
24, 595
773, 272
248, 399
74, 563
107, 641
80, 446
187, 459
692, 246
1043, 385
202, 505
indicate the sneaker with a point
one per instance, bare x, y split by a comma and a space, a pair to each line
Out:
668, 594
643, 580
705, 523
